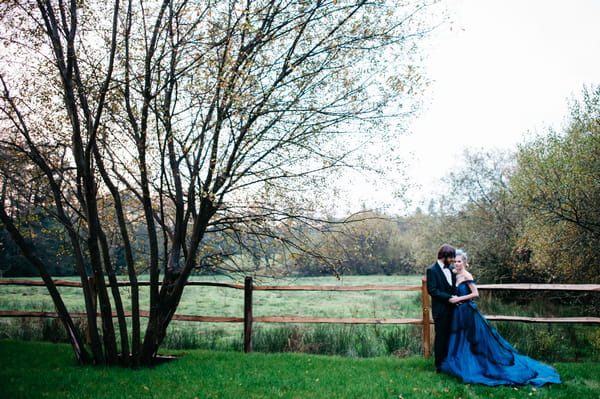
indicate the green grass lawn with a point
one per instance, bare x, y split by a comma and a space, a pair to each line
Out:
38, 370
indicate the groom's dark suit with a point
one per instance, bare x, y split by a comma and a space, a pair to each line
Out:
442, 310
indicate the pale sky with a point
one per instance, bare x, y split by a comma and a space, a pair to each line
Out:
499, 69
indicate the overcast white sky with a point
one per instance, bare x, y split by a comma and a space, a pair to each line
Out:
499, 69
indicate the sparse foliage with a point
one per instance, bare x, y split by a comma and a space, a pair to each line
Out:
177, 119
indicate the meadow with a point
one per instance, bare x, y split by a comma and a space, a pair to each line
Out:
220, 301
544, 341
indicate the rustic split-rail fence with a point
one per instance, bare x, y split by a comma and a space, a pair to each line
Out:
248, 318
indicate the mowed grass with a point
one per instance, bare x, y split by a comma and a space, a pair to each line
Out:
39, 369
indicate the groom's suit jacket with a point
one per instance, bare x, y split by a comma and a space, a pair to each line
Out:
439, 290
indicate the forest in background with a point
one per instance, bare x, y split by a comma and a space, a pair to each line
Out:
528, 216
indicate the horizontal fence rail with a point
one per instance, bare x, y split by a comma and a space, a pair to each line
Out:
541, 287
248, 319
492, 287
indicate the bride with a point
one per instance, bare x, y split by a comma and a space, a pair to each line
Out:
477, 353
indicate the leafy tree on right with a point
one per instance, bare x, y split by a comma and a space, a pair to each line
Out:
556, 184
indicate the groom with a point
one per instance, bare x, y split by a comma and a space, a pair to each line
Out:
440, 286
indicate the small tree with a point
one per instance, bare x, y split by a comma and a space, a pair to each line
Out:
476, 214
369, 243
485, 218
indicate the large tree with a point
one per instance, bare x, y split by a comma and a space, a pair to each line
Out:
178, 118
557, 183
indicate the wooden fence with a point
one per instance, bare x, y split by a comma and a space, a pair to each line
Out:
248, 318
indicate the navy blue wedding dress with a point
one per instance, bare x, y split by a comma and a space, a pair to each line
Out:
479, 355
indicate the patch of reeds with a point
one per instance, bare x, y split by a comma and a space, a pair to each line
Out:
547, 342
341, 340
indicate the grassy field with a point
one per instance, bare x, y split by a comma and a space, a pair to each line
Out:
543, 341
38, 370
218, 301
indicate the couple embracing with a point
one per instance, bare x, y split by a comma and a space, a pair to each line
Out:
466, 345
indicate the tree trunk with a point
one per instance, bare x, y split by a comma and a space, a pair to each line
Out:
135, 303
75, 338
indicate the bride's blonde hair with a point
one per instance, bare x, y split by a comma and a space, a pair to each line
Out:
460, 252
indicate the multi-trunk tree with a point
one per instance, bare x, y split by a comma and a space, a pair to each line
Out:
178, 118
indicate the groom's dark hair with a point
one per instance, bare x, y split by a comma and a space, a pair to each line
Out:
446, 251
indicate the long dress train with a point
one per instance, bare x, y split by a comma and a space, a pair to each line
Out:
478, 354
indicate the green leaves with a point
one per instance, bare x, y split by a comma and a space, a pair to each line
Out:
557, 182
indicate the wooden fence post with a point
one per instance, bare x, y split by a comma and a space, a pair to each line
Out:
248, 314
426, 324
